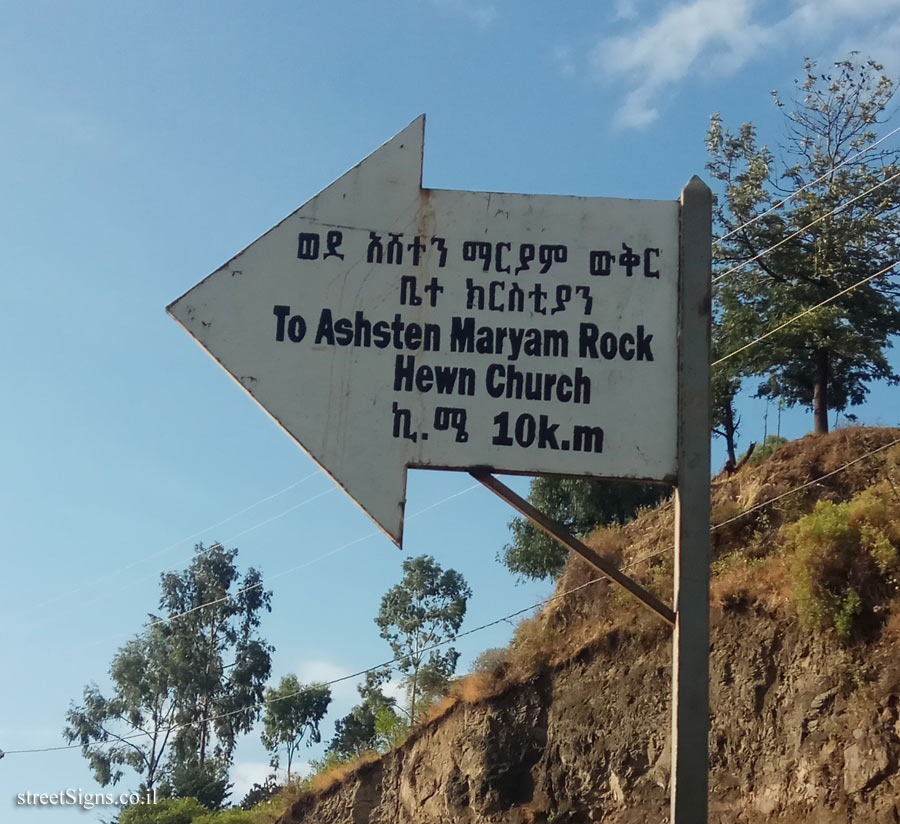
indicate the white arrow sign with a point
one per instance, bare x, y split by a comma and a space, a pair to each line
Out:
387, 326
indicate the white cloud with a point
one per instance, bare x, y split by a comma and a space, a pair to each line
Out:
322, 671
712, 37
659, 54
881, 47
395, 689
821, 16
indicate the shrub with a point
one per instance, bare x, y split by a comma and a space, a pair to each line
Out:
164, 811
492, 659
767, 447
234, 815
845, 564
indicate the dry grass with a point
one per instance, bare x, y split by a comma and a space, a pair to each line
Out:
438, 710
324, 780
747, 568
764, 584
474, 687
753, 537
892, 625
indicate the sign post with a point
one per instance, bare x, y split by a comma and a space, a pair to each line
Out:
386, 326
690, 644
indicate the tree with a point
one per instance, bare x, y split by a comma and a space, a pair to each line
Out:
372, 724
426, 608
293, 713
798, 232
725, 383
207, 782
219, 663
133, 727
260, 793
580, 505
173, 692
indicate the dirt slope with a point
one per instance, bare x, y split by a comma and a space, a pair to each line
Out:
573, 726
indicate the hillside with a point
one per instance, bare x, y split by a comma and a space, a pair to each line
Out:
571, 722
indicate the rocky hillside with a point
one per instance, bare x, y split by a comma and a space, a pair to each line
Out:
571, 723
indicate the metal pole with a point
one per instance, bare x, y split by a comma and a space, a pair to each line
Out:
690, 647
556, 530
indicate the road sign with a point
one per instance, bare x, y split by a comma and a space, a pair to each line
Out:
388, 326
385, 326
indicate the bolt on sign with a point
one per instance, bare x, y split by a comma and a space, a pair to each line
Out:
386, 326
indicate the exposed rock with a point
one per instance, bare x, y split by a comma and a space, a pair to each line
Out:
799, 731
864, 766
588, 742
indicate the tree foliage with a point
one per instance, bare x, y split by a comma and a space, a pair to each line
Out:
580, 505
132, 727
207, 782
293, 713
260, 793
426, 608
373, 724
801, 230
174, 685
219, 663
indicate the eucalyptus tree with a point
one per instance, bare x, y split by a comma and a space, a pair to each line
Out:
293, 713
219, 662
424, 610
133, 727
185, 687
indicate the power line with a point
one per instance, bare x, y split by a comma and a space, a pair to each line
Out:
481, 627
110, 575
780, 203
799, 231
385, 664
102, 596
291, 570
819, 179
804, 486
805, 312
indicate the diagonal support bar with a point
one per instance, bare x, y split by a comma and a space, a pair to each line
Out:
559, 533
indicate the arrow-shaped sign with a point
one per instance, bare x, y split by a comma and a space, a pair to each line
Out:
387, 326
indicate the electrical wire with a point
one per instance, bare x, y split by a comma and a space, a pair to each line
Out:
291, 570
115, 573
799, 231
399, 659
132, 583
719, 277
819, 179
805, 312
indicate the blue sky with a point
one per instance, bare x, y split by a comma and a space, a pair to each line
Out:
142, 145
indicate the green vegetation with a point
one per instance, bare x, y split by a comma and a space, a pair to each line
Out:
426, 608
371, 726
845, 566
164, 811
193, 681
780, 256
580, 505
293, 713
185, 688
767, 447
